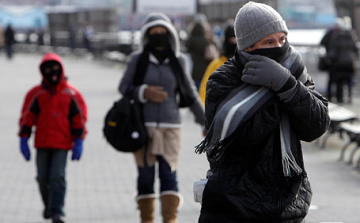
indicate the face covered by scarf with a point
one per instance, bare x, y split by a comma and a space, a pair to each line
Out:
274, 53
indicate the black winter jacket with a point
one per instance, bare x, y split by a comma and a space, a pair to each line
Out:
248, 184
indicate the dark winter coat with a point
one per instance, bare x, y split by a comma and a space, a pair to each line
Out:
341, 51
196, 45
247, 184
9, 36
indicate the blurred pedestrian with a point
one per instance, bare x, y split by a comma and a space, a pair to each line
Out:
59, 113
201, 47
88, 32
341, 52
9, 41
40, 34
259, 105
2, 37
228, 50
161, 67
72, 37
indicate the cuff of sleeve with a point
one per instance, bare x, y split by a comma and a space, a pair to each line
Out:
141, 93
25, 131
289, 94
290, 83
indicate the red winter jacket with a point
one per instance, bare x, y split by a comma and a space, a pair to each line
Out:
59, 112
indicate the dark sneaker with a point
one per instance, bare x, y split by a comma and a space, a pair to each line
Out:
58, 219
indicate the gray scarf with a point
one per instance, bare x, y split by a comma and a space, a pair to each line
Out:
242, 103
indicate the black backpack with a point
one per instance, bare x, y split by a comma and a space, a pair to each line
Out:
124, 127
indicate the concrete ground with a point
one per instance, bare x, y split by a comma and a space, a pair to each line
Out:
102, 186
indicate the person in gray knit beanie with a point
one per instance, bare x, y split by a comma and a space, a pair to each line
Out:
259, 106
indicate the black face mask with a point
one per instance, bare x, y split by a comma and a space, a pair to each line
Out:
159, 40
274, 53
49, 77
229, 49
48, 71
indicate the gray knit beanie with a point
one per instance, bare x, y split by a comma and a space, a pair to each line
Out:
254, 21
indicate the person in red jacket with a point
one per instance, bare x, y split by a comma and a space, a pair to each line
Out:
59, 112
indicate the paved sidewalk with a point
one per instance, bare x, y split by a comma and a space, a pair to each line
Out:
101, 187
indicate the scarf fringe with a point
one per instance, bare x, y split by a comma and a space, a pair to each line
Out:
214, 150
202, 146
290, 164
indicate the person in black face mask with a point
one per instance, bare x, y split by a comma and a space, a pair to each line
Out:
259, 106
156, 76
229, 47
59, 113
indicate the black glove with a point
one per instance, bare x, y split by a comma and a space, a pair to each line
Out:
260, 70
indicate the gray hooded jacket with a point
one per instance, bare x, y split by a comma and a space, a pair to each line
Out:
165, 114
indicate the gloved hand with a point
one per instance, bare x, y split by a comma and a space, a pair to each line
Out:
77, 149
261, 70
24, 147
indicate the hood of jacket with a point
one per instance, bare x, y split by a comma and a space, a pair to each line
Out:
52, 57
160, 19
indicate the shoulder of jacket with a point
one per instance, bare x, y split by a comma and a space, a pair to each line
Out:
228, 70
34, 90
182, 59
71, 90
134, 56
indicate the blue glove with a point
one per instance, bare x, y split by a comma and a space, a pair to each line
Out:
77, 149
24, 147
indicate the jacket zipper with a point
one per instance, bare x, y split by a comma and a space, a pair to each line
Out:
158, 104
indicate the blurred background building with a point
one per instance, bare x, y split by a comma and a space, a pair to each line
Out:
115, 24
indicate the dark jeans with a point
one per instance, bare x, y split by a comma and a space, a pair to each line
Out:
146, 178
51, 178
